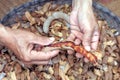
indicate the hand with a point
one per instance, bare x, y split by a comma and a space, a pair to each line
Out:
22, 42
84, 27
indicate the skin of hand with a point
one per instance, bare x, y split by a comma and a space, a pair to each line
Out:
21, 43
84, 28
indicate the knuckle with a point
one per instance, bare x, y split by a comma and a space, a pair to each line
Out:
89, 29
27, 59
47, 57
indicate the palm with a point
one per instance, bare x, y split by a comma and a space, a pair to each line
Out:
84, 28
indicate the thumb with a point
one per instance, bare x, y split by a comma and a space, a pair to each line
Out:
44, 40
87, 39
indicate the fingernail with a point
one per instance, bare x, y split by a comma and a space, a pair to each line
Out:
52, 38
87, 48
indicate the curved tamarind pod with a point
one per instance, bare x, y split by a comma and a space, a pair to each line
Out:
62, 44
91, 57
55, 15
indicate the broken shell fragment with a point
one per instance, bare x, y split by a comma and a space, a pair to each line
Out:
110, 60
55, 15
30, 18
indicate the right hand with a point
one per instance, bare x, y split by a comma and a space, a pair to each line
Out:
84, 28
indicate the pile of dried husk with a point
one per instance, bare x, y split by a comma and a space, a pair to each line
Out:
63, 66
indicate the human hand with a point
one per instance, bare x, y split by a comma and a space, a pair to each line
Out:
21, 42
84, 27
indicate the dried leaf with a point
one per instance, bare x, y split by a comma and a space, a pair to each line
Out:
116, 76
108, 43
17, 68
72, 78
5, 78
98, 54
98, 72
33, 76
49, 13
16, 26
46, 7
64, 67
92, 75
63, 76
30, 18
51, 71
47, 76
12, 76
27, 74
40, 12
110, 60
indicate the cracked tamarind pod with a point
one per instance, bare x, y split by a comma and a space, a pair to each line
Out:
91, 57
55, 15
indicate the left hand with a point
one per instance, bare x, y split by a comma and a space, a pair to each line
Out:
21, 42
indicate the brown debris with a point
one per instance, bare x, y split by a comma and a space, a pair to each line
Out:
30, 18
64, 66
118, 40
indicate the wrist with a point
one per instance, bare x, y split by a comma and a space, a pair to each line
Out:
83, 4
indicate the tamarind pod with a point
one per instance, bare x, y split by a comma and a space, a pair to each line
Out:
62, 44
91, 57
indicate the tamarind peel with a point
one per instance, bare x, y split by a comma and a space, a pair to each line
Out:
91, 57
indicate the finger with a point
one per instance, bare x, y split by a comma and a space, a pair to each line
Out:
77, 41
70, 51
79, 55
43, 40
75, 27
46, 49
77, 34
71, 37
95, 40
43, 55
87, 39
86, 60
